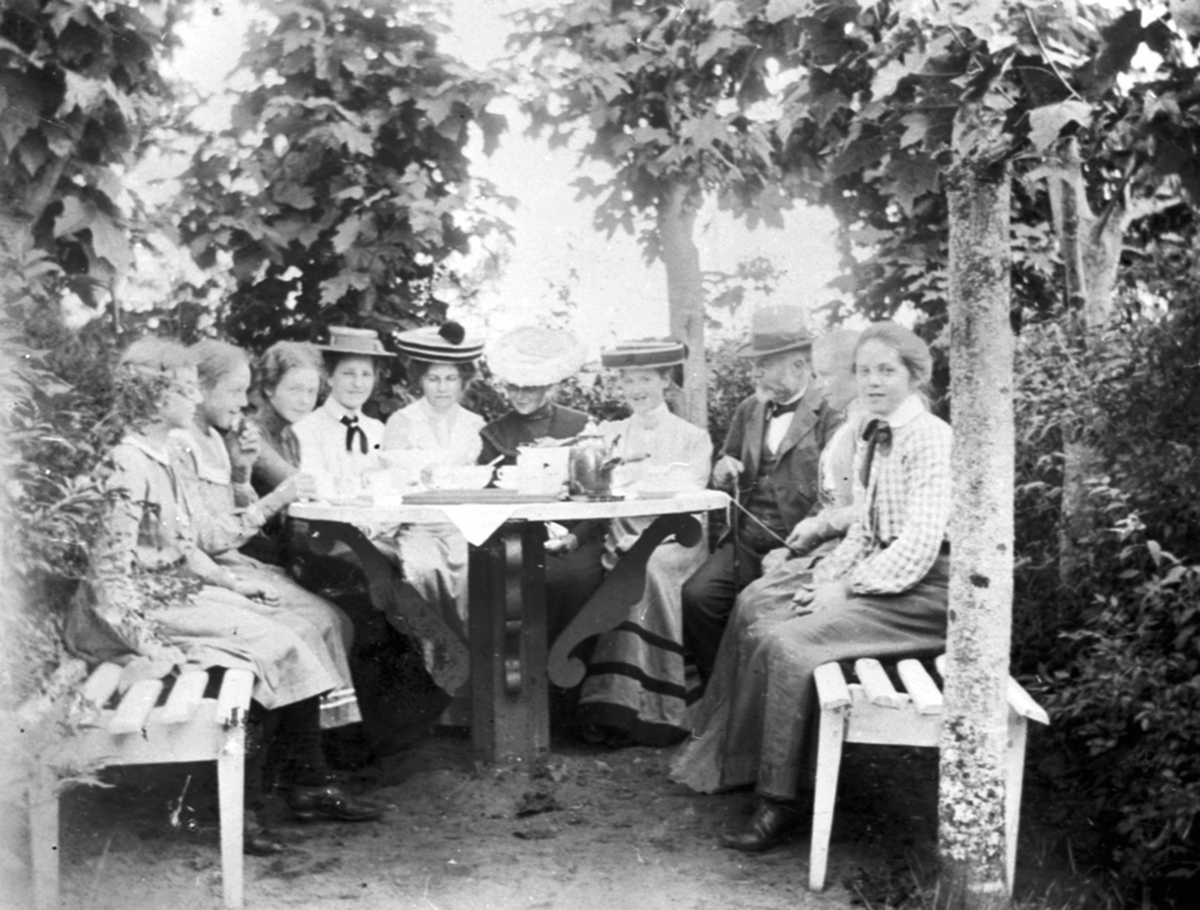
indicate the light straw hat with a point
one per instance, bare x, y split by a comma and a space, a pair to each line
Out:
645, 353
359, 342
535, 356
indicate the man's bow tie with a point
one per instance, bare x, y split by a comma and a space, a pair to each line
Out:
775, 409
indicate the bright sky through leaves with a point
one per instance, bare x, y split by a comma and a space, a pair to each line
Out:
616, 294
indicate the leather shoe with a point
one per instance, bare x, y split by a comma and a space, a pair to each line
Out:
331, 801
257, 840
770, 822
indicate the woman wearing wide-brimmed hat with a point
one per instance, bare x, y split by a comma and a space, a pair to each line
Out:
338, 442
635, 690
531, 361
440, 362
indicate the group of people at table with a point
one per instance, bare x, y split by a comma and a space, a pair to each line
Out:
840, 483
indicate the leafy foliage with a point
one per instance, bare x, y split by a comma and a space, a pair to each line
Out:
342, 187
1130, 704
1118, 654
79, 87
660, 91
887, 95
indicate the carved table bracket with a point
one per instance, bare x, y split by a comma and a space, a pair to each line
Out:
621, 589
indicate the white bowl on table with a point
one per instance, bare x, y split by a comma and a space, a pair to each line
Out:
654, 481
459, 477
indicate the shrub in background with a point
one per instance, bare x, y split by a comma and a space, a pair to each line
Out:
1117, 652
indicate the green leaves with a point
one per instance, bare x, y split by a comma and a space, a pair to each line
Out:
662, 94
343, 185
1046, 123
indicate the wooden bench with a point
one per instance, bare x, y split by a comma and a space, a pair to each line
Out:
872, 710
195, 722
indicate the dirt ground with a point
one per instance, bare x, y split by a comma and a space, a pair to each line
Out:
587, 827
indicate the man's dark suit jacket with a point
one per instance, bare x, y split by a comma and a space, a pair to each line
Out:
796, 479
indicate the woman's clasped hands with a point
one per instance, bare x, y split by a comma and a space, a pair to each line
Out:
811, 597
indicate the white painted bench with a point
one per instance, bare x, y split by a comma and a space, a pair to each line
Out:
872, 710
136, 730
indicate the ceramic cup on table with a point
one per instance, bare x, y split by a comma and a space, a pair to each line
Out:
410, 467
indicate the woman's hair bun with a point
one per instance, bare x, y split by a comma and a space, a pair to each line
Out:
452, 332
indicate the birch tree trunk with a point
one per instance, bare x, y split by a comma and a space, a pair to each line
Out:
685, 295
971, 831
1091, 252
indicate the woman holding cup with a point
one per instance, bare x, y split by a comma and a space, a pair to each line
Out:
213, 458
218, 615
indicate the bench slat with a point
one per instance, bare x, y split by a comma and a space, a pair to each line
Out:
234, 697
926, 696
832, 691
100, 686
878, 688
185, 697
1019, 700
135, 707
1022, 702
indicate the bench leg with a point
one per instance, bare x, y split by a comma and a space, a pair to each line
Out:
830, 735
231, 786
1014, 780
43, 841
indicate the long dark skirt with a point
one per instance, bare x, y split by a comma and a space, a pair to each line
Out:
756, 720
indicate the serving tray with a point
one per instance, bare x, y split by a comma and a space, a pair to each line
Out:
481, 497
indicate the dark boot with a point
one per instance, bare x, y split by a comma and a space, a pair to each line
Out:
771, 822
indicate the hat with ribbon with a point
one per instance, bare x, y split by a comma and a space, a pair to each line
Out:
446, 343
645, 353
359, 342
775, 329
535, 356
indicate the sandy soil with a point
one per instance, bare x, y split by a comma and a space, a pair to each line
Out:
587, 827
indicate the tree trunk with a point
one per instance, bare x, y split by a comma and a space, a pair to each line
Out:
685, 295
971, 831
1091, 253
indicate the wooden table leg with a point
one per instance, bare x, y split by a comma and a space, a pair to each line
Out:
621, 589
510, 712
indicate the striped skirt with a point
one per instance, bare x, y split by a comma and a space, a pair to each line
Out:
636, 683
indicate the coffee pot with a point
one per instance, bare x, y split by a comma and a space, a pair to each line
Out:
590, 465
